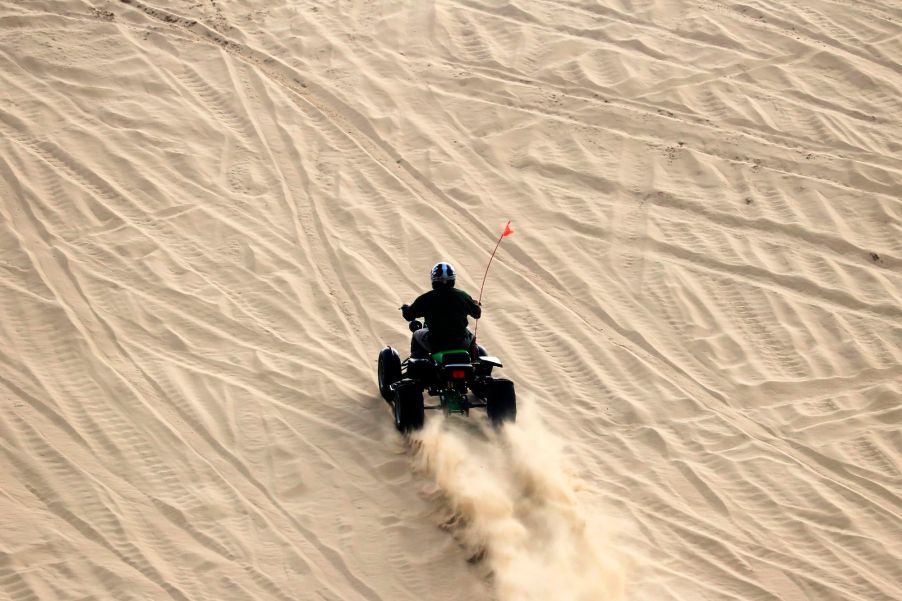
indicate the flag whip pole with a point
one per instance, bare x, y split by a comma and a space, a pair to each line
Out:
507, 232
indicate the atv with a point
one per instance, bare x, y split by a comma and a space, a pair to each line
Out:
460, 382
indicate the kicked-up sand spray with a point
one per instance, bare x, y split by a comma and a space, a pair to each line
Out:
513, 504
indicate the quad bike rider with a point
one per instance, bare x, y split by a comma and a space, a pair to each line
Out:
444, 361
446, 309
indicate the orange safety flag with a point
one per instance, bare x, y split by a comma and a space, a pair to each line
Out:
508, 230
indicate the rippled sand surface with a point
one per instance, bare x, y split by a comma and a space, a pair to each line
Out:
210, 212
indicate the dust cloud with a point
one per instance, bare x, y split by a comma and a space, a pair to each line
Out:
511, 499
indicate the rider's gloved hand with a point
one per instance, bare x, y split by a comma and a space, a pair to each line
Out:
405, 310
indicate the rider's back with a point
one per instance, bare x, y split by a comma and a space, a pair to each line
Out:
446, 311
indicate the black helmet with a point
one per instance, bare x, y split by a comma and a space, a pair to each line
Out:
443, 275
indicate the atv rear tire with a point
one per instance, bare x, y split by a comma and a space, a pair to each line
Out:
408, 407
389, 372
501, 401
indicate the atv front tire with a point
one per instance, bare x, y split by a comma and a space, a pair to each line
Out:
389, 372
501, 401
408, 407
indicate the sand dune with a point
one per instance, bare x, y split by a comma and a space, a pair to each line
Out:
210, 212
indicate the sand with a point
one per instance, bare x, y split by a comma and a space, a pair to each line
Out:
211, 211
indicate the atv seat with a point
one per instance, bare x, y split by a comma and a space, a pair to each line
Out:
453, 356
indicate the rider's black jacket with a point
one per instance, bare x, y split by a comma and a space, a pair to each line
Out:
446, 311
